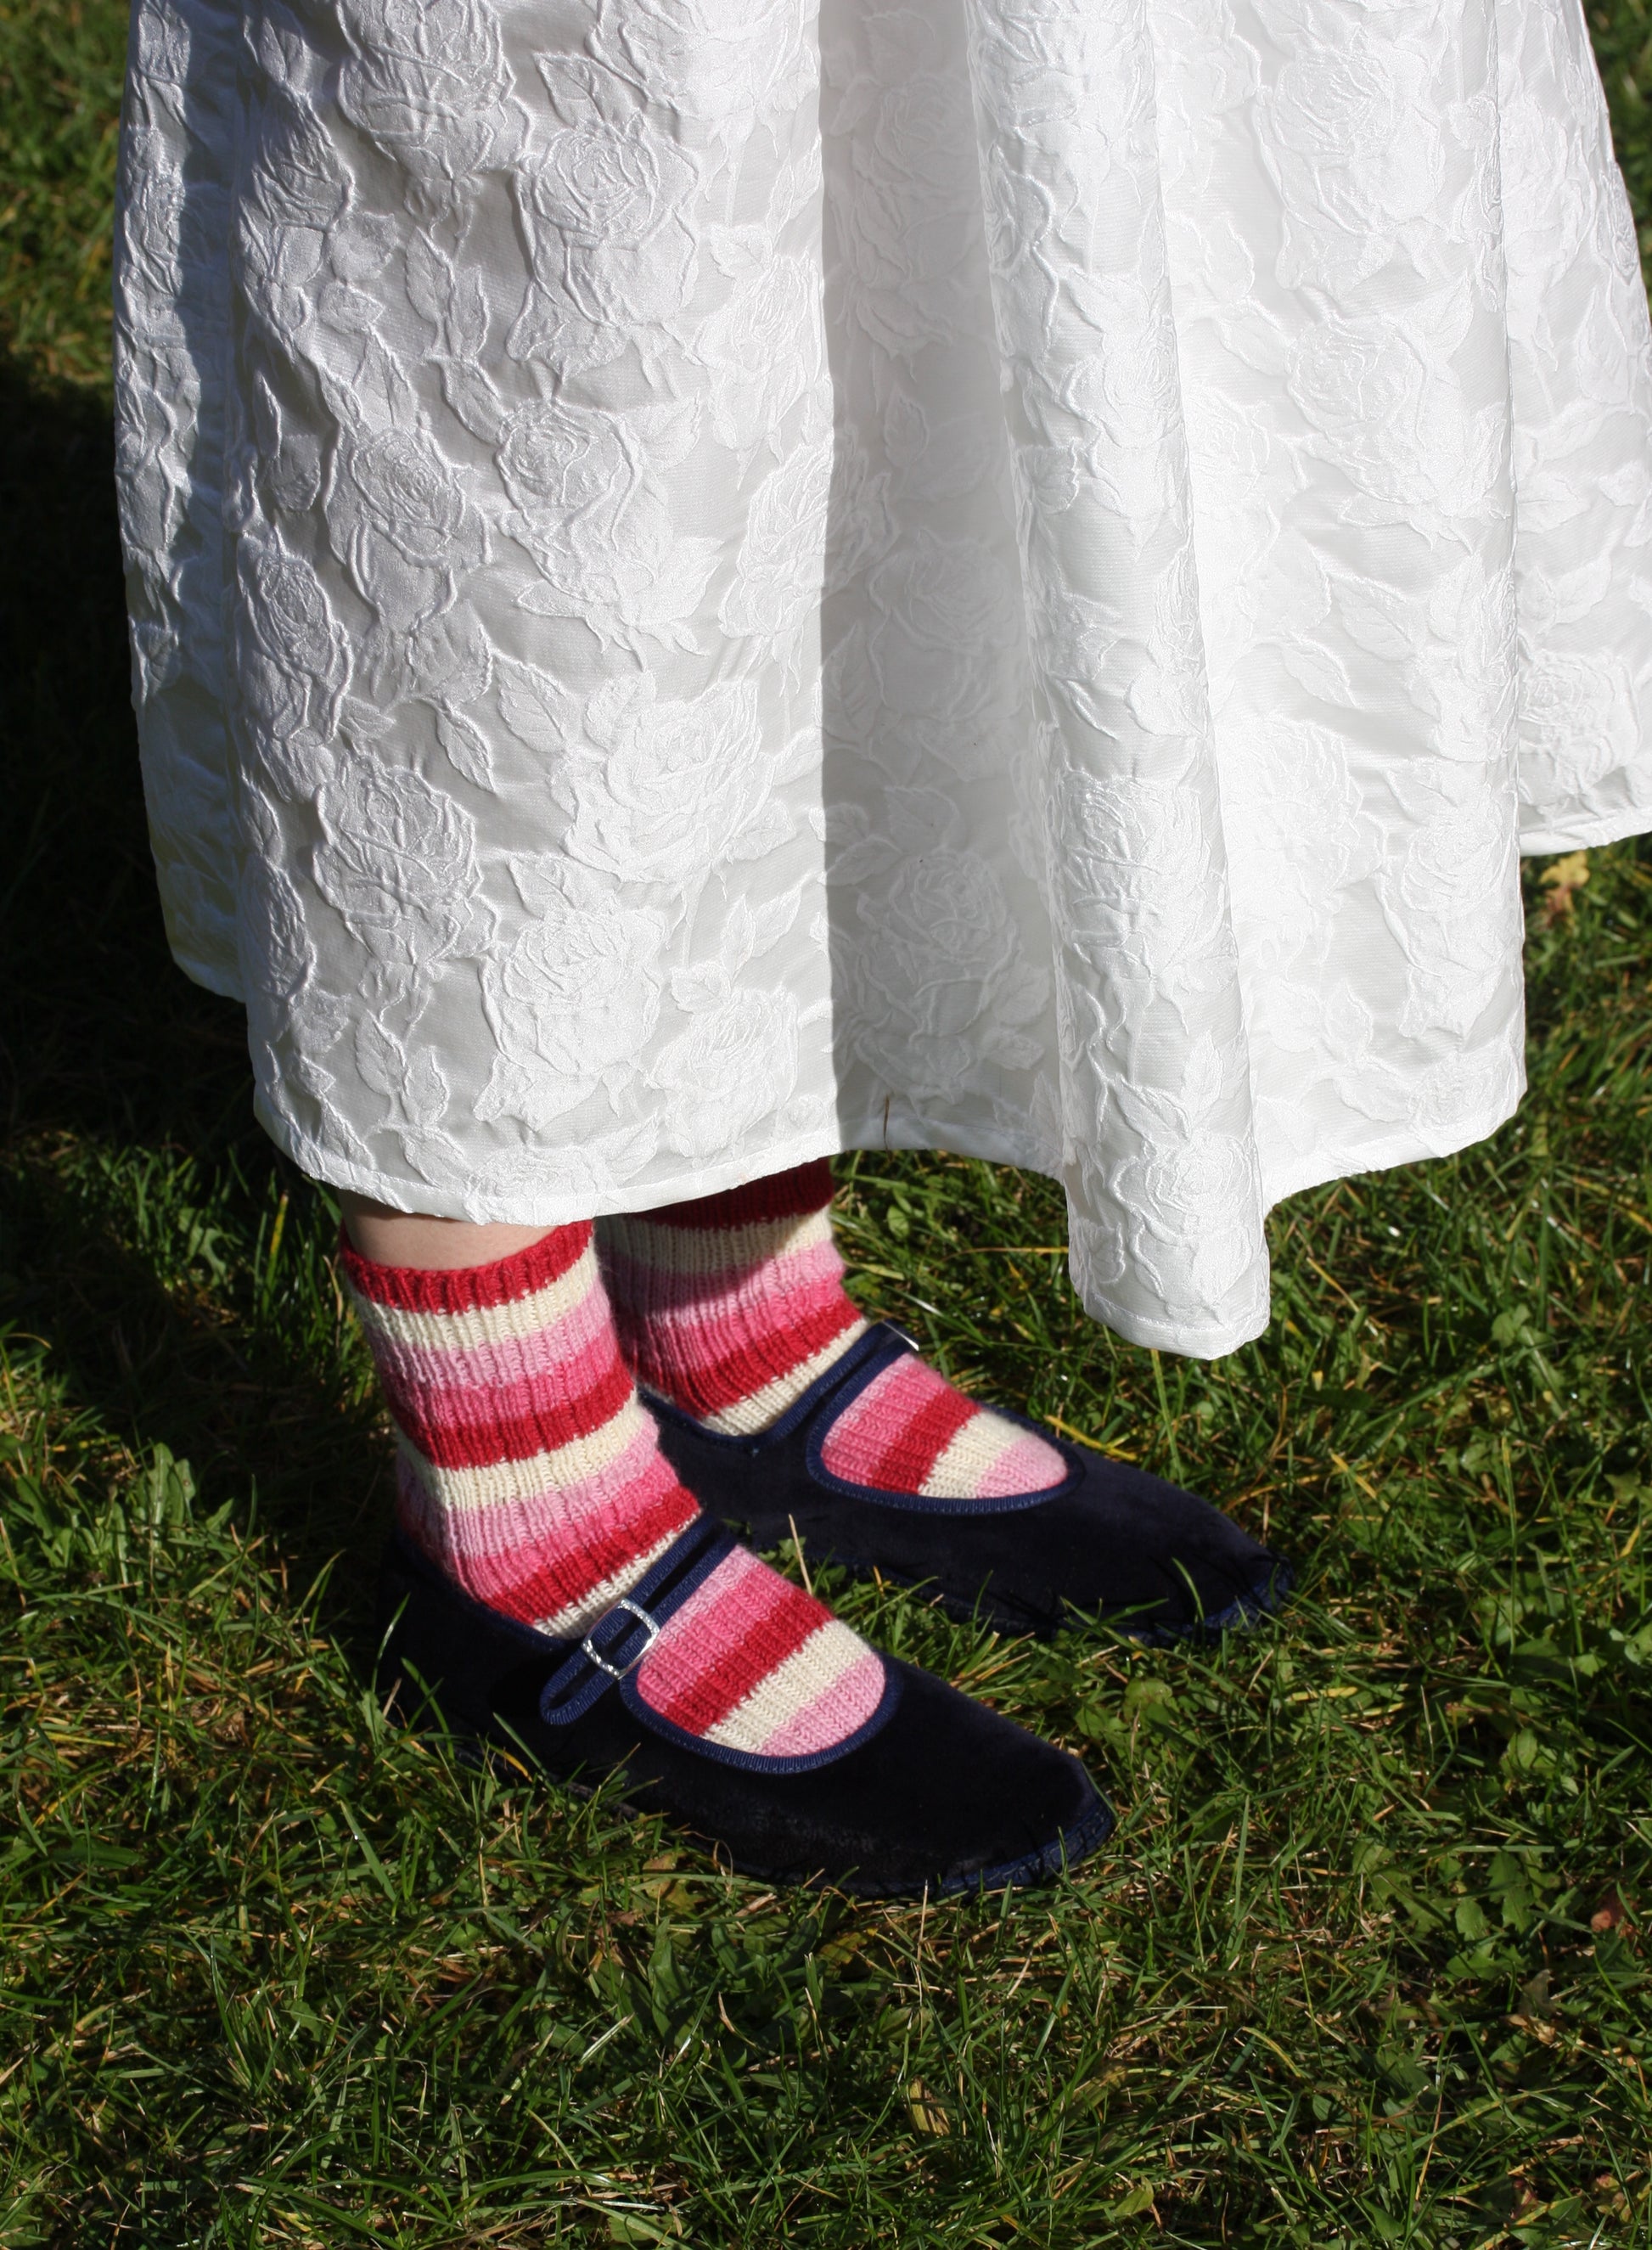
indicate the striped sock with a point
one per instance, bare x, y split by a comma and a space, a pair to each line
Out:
530, 1474
731, 1305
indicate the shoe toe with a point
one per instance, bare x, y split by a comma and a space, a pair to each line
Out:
1169, 1564
1118, 1545
948, 1795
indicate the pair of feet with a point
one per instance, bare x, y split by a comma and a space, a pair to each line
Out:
563, 1573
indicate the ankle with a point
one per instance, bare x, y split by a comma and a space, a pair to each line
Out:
730, 1307
527, 1470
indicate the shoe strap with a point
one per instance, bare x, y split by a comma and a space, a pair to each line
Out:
621, 1637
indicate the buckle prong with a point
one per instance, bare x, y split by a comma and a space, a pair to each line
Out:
649, 1627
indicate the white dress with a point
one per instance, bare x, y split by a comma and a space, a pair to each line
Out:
714, 581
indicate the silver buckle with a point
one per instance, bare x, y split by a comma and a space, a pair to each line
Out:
623, 1671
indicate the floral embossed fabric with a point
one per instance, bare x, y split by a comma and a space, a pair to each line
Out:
717, 580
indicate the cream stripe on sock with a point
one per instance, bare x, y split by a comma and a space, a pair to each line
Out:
958, 1472
523, 1317
711, 1250
748, 1416
809, 1671
540, 1473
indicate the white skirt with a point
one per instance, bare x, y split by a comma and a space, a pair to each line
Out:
712, 583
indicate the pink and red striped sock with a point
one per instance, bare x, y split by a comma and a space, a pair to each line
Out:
529, 1472
731, 1305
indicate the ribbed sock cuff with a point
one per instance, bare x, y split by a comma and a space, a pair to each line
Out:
466, 1288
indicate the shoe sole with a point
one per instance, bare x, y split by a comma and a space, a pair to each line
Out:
1066, 1851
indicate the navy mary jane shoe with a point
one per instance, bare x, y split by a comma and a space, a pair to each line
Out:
1108, 1542
935, 1792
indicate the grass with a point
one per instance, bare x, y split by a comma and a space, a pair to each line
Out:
1367, 1963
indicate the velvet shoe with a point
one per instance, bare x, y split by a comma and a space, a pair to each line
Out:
933, 1792
1108, 1542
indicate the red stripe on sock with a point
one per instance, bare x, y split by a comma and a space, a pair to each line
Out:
576, 1572
467, 1288
914, 1451
785, 1618
705, 1387
485, 1439
783, 1195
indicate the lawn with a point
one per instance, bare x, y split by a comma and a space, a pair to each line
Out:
1367, 1962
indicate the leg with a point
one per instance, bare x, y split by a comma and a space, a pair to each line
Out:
782, 1409
733, 1305
403, 1237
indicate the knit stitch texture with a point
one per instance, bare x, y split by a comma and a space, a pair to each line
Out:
731, 1305
530, 1473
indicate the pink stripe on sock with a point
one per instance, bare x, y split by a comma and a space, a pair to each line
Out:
729, 1634
502, 1407
1028, 1466
530, 1522
696, 1346
666, 1289
860, 1437
536, 1358
848, 1703
704, 1335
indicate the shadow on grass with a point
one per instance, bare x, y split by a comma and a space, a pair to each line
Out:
109, 1054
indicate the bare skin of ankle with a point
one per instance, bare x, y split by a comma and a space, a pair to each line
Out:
446, 1245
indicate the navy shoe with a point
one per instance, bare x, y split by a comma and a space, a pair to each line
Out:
935, 1792
1108, 1542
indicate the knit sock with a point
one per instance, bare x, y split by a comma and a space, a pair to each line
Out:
731, 1305
530, 1474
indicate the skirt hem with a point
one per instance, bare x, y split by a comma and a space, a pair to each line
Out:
1589, 835
1400, 1148
553, 1208
1134, 1327
211, 980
